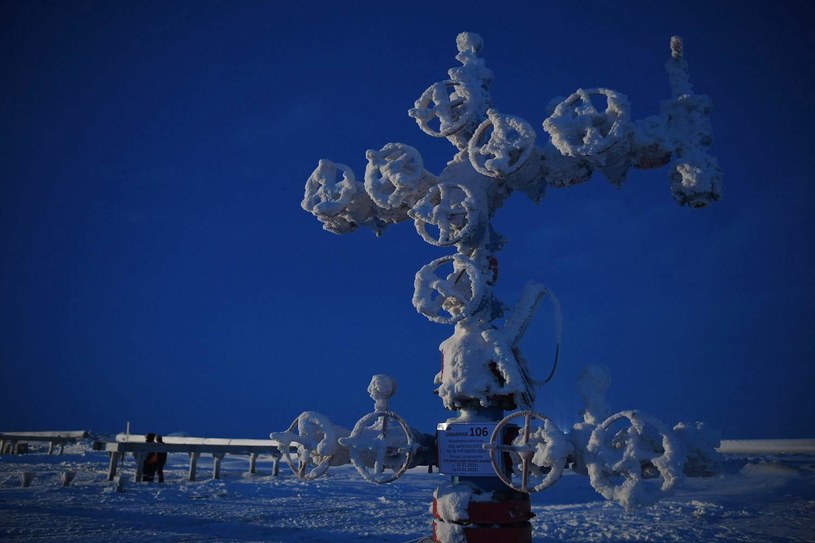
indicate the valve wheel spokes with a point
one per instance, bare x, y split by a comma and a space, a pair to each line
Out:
452, 209
393, 174
508, 146
314, 436
459, 294
325, 195
645, 444
445, 101
578, 129
544, 448
385, 444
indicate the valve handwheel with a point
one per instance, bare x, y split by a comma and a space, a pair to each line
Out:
316, 445
578, 129
542, 451
392, 174
459, 294
373, 443
630, 453
325, 195
506, 149
452, 209
449, 106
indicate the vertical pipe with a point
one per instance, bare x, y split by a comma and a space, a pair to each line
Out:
489, 522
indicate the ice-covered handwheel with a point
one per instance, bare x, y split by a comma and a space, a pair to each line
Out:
633, 459
538, 452
459, 293
578, 129
393, 175
316, 442
341, 204
501, 144
377, 445
447, 214
442, 109
327, 195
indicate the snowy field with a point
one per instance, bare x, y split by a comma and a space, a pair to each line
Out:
757, 499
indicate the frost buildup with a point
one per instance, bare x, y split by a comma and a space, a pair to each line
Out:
695, 176
700, 443
317, 441
630, 457
381, 446
496, 154
633, 459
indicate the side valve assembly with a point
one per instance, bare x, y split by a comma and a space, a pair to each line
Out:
381, 445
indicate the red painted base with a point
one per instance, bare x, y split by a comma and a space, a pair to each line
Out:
505, 512
494, 534
493, 522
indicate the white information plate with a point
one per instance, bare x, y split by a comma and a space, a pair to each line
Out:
461, 450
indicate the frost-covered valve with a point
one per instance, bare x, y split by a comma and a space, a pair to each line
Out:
381, 440
395, 176
443, 109
503, 145
538, 451
633, 458
602, 137
453, 108
459, 294
316, 439
447, 214
341, 204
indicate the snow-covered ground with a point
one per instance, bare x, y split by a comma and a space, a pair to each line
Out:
762, 498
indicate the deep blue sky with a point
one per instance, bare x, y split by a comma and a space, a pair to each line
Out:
156, 267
